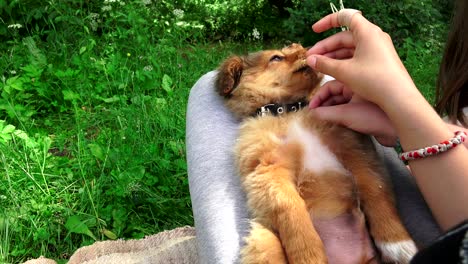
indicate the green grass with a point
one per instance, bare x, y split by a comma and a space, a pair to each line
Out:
92, 142
107, 167
92, 127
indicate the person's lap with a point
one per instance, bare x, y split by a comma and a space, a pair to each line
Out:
219, 204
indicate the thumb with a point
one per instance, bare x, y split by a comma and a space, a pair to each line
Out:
326, 65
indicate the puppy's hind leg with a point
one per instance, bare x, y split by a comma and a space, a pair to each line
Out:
269, 168
386, 227
262, 247
274, 199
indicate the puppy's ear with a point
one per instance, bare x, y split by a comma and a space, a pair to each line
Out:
229, 75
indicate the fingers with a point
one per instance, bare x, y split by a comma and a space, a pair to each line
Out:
341, 40
340, 54
363, 117
331, 93
335, 100
330, 66
338, 114
326, 23
347, 17
338, 46
360, 58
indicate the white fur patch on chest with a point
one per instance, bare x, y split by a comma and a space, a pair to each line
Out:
317, 157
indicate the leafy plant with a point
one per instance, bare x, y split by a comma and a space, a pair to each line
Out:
76, 224
401, 19
422, 61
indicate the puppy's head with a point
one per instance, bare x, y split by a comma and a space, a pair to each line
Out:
272, 76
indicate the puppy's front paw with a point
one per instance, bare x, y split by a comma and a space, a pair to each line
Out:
399, 252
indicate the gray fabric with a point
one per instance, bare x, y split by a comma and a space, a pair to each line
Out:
218, 202
411, 205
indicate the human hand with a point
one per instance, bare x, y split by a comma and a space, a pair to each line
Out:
336, 103
364, 59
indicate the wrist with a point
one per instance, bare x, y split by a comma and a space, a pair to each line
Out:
416, 123
435, 149
396, 92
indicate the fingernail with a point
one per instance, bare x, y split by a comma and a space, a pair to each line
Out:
313, 104
312, 61
313, 27
308, 53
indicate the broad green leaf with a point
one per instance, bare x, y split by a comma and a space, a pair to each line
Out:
109, 234
82, 50
112, 99
13, 83
69, 95
167, 83
46, 142
75, 225
5, 133
160, 102
69, 73
21, 134
8, 129
32, 71
4, 138
97, 151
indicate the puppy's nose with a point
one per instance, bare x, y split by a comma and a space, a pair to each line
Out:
295, 46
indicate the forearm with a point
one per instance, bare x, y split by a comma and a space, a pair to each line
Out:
443, 179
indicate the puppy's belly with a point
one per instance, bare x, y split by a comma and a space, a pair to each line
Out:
328, 189
346, 239
323, 182
317, 158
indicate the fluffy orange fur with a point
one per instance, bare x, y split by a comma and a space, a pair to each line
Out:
285, 190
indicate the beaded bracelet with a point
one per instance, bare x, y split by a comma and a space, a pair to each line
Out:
436, 149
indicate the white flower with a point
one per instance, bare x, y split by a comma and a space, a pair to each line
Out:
94, 23
256, 34
148, 68
146, 2
18, 26
106, 8
13, 72
179, 13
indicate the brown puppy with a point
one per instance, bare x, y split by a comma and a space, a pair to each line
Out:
301, 174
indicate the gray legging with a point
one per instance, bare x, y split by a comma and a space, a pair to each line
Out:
218, 201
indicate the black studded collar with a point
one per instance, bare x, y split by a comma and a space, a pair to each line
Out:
280, 109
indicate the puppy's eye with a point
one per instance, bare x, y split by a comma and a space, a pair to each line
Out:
276, 58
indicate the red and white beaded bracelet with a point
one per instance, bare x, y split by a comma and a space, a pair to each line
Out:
444, 146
